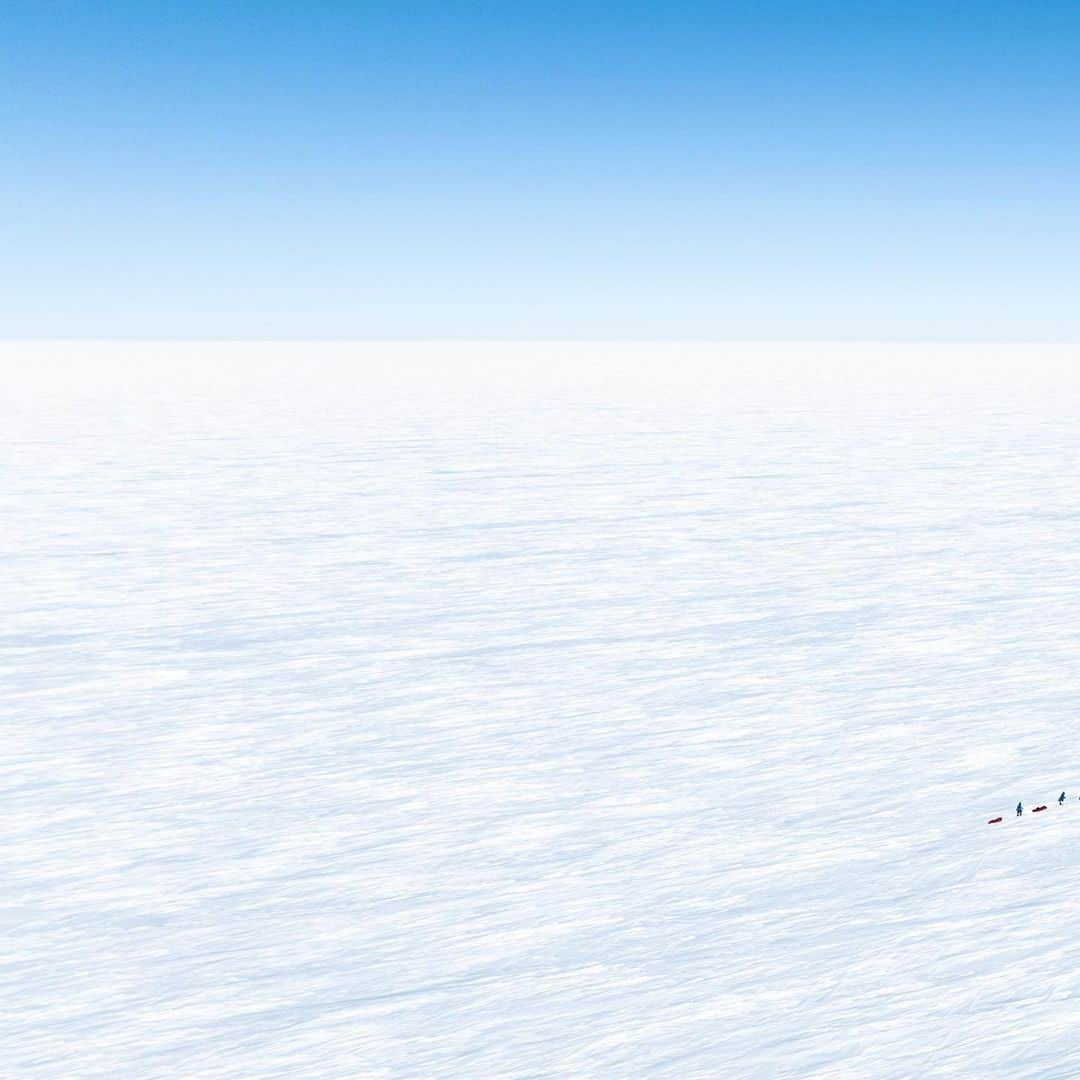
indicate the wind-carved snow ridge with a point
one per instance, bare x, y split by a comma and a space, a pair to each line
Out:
519, 711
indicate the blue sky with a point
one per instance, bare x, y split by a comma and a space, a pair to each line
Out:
766, 170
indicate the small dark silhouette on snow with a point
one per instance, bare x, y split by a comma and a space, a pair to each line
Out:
1019, 808
1061, 798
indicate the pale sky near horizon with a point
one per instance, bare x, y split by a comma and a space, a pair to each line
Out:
774, 171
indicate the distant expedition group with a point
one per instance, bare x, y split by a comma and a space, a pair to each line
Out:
1020, 809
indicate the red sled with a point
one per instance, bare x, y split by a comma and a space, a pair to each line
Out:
993, 821
1037, 809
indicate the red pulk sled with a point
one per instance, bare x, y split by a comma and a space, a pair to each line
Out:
1037, 809
993, 821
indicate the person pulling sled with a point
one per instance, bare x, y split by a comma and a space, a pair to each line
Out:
1061, 799
1019, 808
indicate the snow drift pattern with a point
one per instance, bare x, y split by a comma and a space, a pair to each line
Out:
590, 727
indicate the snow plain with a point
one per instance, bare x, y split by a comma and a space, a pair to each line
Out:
539, 711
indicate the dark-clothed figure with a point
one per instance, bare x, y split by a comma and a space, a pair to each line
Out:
1019, 808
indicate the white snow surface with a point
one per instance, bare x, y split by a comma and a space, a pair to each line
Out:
539, 711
